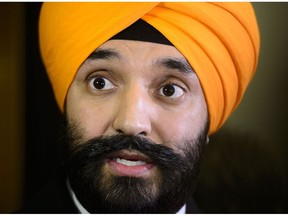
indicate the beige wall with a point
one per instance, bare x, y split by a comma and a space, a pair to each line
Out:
11, 105
264, 109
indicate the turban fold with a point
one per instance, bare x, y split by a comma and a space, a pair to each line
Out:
220, 41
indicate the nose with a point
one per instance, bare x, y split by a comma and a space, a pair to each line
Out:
133, 114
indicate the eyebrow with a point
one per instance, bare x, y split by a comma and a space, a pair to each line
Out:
180, 64
103, 54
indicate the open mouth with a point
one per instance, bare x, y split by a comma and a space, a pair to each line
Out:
129, 163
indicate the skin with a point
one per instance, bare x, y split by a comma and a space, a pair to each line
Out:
132, 100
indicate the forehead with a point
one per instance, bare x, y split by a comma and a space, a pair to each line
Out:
126, 47
140, 55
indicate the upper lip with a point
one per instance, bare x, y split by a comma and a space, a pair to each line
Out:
132, 155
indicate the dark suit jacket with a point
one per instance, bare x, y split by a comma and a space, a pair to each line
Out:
55, 198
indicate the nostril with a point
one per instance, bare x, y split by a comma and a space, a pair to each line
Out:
119, 131
131, 122
122, 132
143, 134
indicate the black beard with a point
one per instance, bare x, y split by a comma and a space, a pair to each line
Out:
100, 192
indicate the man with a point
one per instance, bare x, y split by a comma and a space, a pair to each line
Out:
141, 86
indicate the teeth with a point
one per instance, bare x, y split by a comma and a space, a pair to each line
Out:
129, 163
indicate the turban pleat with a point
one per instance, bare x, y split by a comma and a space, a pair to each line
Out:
220, 41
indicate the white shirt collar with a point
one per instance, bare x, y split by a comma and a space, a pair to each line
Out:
78, 205
82, 210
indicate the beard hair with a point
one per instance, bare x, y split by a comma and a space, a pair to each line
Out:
101, 192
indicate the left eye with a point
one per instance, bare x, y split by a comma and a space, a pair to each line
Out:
101, 83
171, 91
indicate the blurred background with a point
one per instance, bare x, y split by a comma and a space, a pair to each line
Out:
245, 166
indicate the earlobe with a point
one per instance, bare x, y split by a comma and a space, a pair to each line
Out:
207, 140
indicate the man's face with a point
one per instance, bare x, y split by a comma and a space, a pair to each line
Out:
149, 96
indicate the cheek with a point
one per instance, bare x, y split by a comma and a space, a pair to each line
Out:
186, 123
93, 121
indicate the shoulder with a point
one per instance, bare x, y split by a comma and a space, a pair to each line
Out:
52, 198
191, 206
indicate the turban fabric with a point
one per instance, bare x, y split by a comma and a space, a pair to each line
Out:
219, 40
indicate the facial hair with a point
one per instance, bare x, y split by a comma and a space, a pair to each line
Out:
101, 192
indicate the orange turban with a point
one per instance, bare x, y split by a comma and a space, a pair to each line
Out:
220, 41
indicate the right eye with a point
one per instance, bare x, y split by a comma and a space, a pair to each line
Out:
101, 84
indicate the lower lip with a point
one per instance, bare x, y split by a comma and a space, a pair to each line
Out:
131, 171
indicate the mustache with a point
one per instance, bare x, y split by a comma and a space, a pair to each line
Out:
97, 149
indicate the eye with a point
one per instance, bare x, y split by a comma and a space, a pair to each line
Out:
171, 90
101, 83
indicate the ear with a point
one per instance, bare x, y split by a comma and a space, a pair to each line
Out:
207, 140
